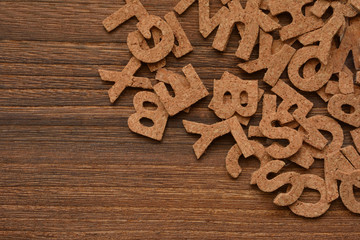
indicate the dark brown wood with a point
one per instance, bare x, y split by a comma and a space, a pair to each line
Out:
71, 169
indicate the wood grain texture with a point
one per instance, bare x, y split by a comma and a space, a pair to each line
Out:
71, 169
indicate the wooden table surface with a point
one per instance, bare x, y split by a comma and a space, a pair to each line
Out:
71, 169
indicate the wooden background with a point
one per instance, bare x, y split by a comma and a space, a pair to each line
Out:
71, 169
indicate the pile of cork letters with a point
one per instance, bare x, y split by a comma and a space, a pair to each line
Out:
328, 32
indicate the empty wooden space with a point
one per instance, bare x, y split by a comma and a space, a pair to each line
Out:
71, 169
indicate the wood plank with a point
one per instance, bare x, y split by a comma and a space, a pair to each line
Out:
245, 203
40, 52
52, 82
174, 218
80, 97
174, 234
62, 52
77, 21
74, 70
127, 152
96, 116
199, 175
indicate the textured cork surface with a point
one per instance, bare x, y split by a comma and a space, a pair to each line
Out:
159, 116
332, 164
269, 116
335, 108
275, 63
347, 190
314, 82
355, 134
124, 79
184, 45
236, 87
294, 179
312, 210
300, 24
160, 50
185, 96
